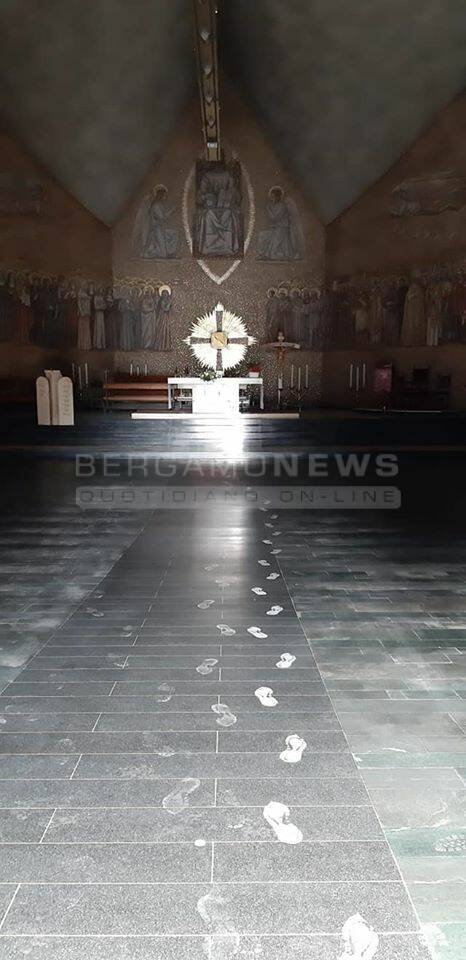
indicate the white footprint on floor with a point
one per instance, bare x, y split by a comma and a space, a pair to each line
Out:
361, 941
225, 718
258, 591
165, 692
94, 613
277, 815
206, 666
294, 749
223, 582
258, 633
264, 563
205, 604
274, 553
265, 696
286, 661
178, 799
269, 525
268, 542
223, 941
225, 630
277, 533
275, 610
273, 576
274, 516
211, 566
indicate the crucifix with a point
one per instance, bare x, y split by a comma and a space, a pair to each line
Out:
219, 339
280, 345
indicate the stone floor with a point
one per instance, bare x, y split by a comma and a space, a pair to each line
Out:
151, 803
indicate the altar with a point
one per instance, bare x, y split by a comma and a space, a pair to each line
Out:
214, 397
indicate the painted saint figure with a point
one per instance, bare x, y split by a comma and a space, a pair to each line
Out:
100, 304
218, 222
283, 238
272, 315
84, 315
163, 337
148, 318
153, 239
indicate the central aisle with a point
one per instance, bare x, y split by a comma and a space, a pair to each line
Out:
156, 802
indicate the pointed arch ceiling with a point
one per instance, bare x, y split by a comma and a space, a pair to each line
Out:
93, 87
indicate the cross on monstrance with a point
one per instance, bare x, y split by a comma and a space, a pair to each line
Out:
213, 337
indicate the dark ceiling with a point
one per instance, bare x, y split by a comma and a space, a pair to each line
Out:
341, 87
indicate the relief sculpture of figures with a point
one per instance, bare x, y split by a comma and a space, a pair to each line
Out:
153, 238
283, 239
218, 222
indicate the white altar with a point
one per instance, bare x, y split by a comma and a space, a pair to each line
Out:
215, 397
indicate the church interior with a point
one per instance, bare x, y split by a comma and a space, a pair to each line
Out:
233, 464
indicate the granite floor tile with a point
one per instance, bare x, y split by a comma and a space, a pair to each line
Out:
164, 744
52, 793
127, 863
219, 825
331, 861
22, 825
300, 947
327, 792
172, 909
261, 765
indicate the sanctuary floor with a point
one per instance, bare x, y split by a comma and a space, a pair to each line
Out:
142, 764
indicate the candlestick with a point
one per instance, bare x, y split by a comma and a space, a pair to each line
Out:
364, 375
292, 376
145, 369
73, 371
131, 368
306, 378
299, 378
80, 379
86, 374
351, 369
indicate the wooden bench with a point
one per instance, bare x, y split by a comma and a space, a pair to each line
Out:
136, 390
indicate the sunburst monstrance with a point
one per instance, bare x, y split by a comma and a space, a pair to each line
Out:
219, 339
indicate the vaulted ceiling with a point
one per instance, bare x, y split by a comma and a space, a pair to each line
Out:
93, 87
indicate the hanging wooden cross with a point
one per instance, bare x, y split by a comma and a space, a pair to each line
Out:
219, 339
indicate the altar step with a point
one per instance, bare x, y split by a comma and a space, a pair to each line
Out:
210, 417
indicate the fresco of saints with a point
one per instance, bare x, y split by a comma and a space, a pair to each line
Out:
283, 238
153, 238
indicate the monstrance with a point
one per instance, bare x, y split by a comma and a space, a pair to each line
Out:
219, 339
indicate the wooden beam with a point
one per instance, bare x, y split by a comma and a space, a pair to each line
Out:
205, 26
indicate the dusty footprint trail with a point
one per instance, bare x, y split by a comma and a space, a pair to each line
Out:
175, 782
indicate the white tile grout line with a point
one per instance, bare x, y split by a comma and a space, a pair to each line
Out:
93, 728
406, 934
75, 767
50, 821
408, 895
9, 906
212, 864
